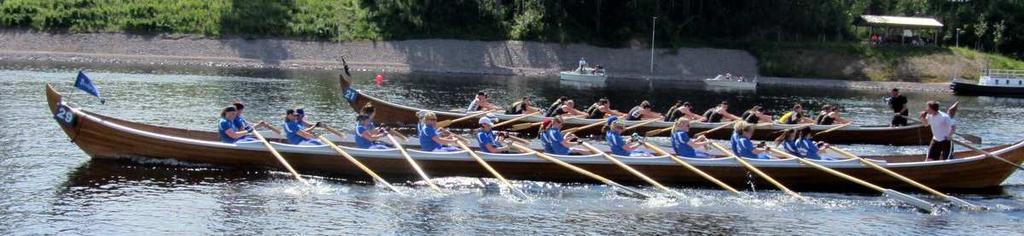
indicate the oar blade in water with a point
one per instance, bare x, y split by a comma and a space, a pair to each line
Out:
913, 201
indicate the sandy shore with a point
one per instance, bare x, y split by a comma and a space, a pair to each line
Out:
429, 55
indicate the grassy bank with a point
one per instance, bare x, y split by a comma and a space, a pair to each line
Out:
858, 61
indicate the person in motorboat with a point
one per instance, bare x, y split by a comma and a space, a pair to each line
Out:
795, 116
619, 146
643, 112
682, 110
557, 143
756, 115
743, 147
683, 145
430, 139
600, 109
719, 113
582, 66
367, 136
523, 106
490, 141
231, 133
480, 103
295, 132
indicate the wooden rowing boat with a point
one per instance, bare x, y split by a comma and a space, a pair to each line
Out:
391, 114
107, 137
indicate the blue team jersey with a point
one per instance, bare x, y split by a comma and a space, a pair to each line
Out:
226, 125
362, 142
427, 134
554, 139
791, 147
544, 140
291, 130
485, 137
681, 144
808, 149
240, 122
743, 147
616, 142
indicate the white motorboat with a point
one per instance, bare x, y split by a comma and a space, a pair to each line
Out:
587, 74
729, 81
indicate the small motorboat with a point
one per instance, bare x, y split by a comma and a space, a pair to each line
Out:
585, 74
729, 81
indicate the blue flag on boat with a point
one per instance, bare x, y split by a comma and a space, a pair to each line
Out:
85, 84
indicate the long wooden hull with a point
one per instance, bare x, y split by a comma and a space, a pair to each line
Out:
106, 137
392, 114
962, 88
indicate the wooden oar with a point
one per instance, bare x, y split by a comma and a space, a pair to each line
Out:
640, 124
491, 169
356, 162
518, 139
412, 163
916, 202
987, 153
833, 129
758, 172
577, 129
518, 127
693, 168
727, 124
446, 123
581, 171
279, 158
657, 131
956, 201
631, 170
514, 119
332, 130
398, 135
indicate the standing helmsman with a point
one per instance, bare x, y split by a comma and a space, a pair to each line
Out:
943, 127
898, 103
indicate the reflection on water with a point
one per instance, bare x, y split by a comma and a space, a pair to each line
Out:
48, 186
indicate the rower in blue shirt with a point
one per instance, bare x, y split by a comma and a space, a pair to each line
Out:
741, 144
366, 135
683, 144
228, 132
429, 139
295, 132
619, 146
557, 142
487, 138
808, 148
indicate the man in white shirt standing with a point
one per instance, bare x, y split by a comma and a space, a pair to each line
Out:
943, 126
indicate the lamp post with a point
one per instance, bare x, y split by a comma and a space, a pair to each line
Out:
654, 22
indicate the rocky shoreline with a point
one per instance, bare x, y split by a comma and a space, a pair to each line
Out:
428, 55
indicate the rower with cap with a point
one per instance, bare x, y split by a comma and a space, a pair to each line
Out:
480, 103
613, 134
296, 133
228, 131
490, 141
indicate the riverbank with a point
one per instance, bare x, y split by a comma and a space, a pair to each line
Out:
412, 56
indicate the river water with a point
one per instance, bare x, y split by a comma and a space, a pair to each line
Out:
49, 186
